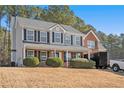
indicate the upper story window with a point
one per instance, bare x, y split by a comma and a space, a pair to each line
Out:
77, 40
57, 37
30, 35
67, 39
43, 37
91, 44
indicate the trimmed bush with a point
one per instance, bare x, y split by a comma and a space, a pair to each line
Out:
54, 62
82, 63
31, 61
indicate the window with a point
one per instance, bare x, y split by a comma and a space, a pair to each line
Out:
67, 39
43, 55
77, 40
43, 37
91, 44
30, 35
57, 37
30, 53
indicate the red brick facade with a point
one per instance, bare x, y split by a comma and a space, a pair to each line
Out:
92, 37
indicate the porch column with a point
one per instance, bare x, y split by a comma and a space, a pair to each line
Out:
89, 55
24, 52
67, 58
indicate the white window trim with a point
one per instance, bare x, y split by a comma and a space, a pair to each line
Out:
59, 37
76, 40
44, 36
88, 42
44, 56
30, 51
65, 37
27, 34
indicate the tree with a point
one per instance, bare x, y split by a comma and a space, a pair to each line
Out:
36, 13
79, 24
2, 13
102, 36
61, 15
24, 11
88, 28
3, 48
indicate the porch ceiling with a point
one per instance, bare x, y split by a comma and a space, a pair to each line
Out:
56, 47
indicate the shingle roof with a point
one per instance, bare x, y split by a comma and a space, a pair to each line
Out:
34, 23
26, 22
70, 29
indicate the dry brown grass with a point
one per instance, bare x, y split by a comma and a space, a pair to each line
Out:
58, 77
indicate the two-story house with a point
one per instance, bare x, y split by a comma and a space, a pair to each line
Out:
46, 39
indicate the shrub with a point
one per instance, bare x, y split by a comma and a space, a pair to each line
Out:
54, 62
82, 63
31, 61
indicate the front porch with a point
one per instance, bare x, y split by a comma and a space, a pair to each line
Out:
43, 55
43, 51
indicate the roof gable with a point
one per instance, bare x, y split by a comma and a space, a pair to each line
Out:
57, 28
92, 33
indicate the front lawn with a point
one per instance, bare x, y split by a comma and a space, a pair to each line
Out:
58, 77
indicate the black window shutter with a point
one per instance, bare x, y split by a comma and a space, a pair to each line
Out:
24, 34
38, 36
48, 37
35, 35
35, 53
39, 55
71, 39
61, 37
53, 36
81, 40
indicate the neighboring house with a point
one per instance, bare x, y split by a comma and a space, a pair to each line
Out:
46, 39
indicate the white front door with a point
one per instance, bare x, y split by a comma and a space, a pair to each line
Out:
43, 56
